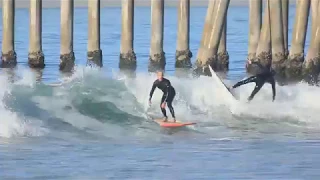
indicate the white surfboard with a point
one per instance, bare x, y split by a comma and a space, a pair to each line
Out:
226, 93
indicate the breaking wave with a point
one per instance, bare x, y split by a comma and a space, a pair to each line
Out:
91, 103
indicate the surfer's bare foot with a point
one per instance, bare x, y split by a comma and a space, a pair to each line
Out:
174, 120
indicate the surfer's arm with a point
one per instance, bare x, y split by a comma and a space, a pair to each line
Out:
166, 95
245, 81
152, 90
167, 86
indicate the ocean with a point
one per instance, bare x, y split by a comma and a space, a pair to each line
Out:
95, 123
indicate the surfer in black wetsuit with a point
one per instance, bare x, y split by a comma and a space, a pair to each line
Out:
168, 95
265, 76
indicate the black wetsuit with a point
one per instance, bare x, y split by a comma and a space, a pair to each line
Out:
168, 94
260, 79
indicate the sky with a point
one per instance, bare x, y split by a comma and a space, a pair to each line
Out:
104, 3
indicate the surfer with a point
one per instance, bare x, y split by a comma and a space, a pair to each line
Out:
265, 76
167, 97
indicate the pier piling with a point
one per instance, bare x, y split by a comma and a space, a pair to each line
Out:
263, 49
35, 56
223, 55
67, 57
127, 55
296, 55
207, 53
311, 65
183, 53
276, 26
255, 21
94, 54
8, 55
157, 60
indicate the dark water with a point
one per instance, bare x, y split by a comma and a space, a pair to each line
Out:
96, 124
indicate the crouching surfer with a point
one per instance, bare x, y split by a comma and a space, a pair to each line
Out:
167, 97
260, 79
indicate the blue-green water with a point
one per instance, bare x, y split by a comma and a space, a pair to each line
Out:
96, 124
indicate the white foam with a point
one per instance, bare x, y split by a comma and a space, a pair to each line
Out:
299, 102
27, 78
11, 124
196, 100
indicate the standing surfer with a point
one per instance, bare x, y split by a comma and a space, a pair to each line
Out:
167, 97
265, 76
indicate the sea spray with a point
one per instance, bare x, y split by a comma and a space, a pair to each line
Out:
11, 123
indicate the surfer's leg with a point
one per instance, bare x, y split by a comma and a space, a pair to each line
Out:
163, 110
170, 98
245, 81
171, 109
255, 90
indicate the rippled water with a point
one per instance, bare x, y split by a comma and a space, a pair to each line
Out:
96, 124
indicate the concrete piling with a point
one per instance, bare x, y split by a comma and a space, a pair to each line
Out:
207, 26
255, 21
311, 65
223, 55
127, 55
278, 54
157, 60
35, 56
267, 43
263, 52
296, 55
183, 53
314, 14
67, 57
210, 42
8, 55
94, 54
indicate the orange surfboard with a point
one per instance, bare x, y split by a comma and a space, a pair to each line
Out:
172, 124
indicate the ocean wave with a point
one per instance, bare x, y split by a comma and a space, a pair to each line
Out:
91, 101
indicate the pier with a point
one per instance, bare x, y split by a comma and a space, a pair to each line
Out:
268, 42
